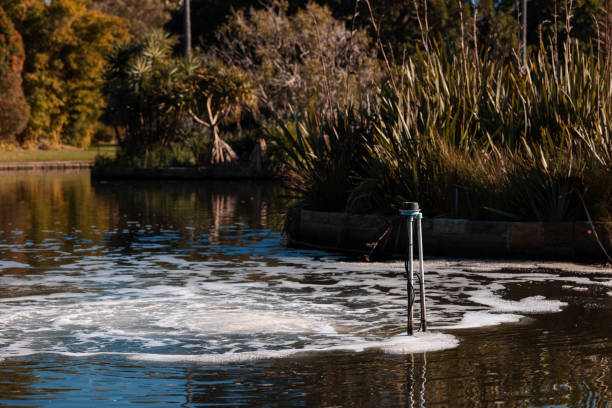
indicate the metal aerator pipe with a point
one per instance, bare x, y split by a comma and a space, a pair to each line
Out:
412, 212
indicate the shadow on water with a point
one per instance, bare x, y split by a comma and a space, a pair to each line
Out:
52, 220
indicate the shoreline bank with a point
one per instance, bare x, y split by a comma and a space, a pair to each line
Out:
383, 236
180, 173
47, 165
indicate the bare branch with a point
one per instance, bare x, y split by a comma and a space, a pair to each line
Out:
198, 120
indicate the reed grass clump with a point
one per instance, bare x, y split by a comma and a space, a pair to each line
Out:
472, 138
324, 155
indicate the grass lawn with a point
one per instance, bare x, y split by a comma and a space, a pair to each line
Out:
58, 155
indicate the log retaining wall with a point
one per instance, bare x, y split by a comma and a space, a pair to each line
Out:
47, 165
450, 237
179, 173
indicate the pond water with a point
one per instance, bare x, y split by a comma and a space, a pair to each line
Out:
184, 294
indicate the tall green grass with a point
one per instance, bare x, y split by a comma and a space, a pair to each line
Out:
323, 154
473, 138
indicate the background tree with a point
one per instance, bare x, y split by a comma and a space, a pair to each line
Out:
496, 21
215, 92
187, 23
497, 27
547, 17
143, 16
308, 59
65, 45
207, 16
154, 96
14, 110
144, 83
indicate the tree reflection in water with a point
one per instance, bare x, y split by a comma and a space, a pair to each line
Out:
223, 208
211, 209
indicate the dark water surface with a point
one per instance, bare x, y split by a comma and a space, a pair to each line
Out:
183, 294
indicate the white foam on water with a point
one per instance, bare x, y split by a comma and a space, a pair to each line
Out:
12, 264
418, 343
170, 308
607, 283
215, 358
496, 286
575, 288
533, 276
580, 280
235, 322
543, 277
532, 304
482, 319
40, 298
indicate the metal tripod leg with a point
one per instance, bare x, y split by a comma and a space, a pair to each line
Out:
422, 275
410, 277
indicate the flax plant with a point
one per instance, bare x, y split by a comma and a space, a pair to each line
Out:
324, 155
475, 138
482, 139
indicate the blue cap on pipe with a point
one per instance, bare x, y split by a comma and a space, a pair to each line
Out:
409, 208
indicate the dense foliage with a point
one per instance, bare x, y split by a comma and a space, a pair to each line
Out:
496, 22
65, 48
471, 137
14, 110
158, 100
370, 103
65, 45
142, 80
305, 60
143, 16
266, 63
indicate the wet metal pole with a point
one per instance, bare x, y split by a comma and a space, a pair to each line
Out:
412, 212
422, 275
410, 278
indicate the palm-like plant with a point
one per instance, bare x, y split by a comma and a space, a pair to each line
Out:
213, 93
143, 89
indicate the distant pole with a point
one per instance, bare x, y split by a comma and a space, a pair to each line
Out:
187, 28
524, 18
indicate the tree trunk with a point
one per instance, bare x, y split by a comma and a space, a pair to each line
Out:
187, 17
259, 155
220, 152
